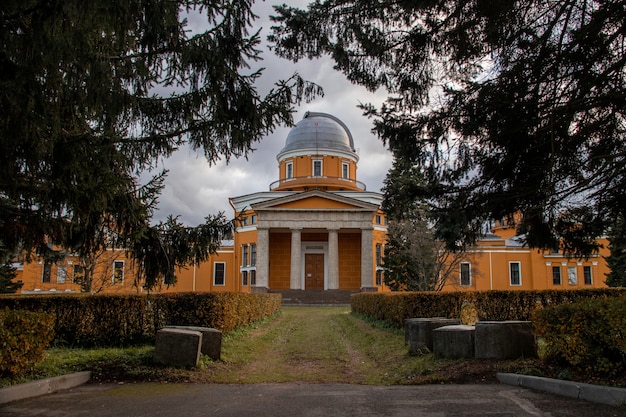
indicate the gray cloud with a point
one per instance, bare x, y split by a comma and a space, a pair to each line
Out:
193, 189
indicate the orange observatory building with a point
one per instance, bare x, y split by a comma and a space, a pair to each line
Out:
316, 229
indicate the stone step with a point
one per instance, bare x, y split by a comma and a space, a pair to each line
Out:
315, 297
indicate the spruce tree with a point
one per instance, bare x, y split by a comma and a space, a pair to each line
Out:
616, 261
93, 93
508, 107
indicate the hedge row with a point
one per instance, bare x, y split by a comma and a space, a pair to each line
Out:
395, 307
24, 337
589, 335
119, 320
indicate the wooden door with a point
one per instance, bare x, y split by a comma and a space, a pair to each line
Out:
314, 271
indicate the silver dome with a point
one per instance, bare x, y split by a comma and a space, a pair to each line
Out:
319, 130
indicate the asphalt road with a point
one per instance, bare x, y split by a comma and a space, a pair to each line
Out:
306, 400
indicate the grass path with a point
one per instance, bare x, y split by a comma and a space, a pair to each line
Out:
315, 344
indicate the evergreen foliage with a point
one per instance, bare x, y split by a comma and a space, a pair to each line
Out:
93, 93
507, 106
616, 261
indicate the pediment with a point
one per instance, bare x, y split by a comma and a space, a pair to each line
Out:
315, 200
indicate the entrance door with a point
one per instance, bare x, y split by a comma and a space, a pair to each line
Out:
314, 271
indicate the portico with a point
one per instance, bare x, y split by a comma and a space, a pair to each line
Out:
315, 232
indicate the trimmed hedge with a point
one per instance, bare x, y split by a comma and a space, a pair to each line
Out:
24, 337
589, 335
120, 320
395, 307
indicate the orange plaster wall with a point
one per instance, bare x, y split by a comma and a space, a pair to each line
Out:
280, 260
490, 270
350, 261
32, 273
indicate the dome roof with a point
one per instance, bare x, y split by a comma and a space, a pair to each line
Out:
319, 130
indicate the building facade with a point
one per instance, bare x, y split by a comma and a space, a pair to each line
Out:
317, 228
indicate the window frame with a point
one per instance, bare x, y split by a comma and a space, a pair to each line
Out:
345, 170
244, 255
587, 273
321, 168
78, 271
289, 170
46, 272
223, 272
61, 274
115, 277
572, 275
469, 274
519, 273
252, 251
557, 268
244, 278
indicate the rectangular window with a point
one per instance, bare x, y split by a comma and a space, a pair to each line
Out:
379, 254
317, 167
379, 277
219, 273
289, 170
61, 274
244, 221
244, 255
556, 275
253, 217
572, 276
515, 273
466, 274
345, 171
252, 254
253, 277
118, 272
78, 274
47, 271
587, 275
244, 278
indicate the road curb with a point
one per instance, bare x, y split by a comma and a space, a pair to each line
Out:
43, 387
593, 393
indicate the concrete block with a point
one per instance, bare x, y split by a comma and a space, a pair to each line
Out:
178, 347
454, 341
504, 340
211, 340
418, 332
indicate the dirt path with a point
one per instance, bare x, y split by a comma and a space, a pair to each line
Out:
310, 344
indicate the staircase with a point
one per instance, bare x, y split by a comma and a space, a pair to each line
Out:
315, 297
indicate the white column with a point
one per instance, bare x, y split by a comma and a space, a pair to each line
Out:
333, 260
367, 270
295, 276
262, 259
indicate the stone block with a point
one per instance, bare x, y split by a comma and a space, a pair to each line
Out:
178, 347
454, 342
211, 340
418, 332
504, 340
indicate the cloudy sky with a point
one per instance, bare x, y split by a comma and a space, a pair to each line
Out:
193, 189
